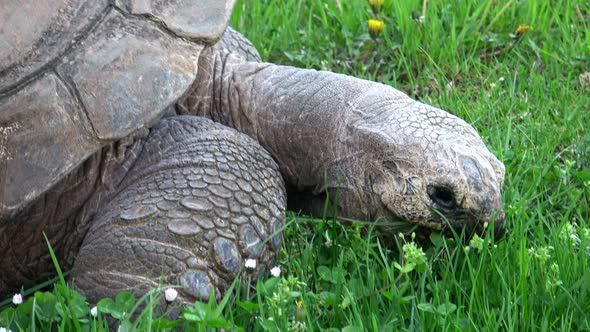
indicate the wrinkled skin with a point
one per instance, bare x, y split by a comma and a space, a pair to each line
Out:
385, 156
190, 199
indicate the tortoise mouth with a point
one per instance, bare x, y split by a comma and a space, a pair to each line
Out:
470, 225
461, 224
389, 223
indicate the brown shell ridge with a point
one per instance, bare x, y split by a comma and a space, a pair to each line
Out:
76, 96
162, 26
201, 21
27, 79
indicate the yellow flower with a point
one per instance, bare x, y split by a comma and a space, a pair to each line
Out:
299, 311
299, 304
375, 26
522, 29
376, 4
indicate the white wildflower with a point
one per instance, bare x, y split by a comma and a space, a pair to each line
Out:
276, 271
17, 299
477, 242
569, 234
543, 253
170, 294
250, 264
3, 329
94, 311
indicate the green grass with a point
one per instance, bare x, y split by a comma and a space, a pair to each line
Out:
522, 93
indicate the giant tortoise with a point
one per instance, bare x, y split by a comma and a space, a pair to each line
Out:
150, 144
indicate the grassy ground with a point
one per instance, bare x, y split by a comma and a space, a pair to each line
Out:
523, 90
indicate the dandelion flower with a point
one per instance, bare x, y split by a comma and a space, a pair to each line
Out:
17, 299
170, 295
250, 264
376, 4
522, 29
276, 271
94, 311
299, 311
375, 26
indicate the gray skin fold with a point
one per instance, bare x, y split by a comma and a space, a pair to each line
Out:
386, 156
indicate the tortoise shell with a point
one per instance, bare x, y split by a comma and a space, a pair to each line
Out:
76, 75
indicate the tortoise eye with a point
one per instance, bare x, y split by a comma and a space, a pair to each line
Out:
442, 196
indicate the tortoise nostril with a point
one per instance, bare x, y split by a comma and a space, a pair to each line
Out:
442, 196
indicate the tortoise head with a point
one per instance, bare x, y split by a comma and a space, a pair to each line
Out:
422, 165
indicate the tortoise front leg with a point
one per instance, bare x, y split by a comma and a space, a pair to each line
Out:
200, 200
